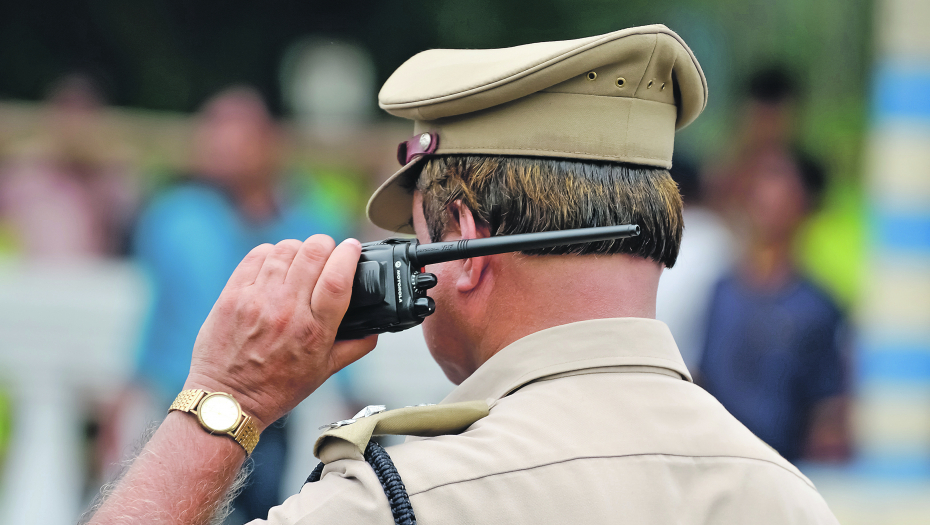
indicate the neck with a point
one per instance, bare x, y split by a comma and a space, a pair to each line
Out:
768, 263
533, 293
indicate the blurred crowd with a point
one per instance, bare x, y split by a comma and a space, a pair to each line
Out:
767, 341
761, 336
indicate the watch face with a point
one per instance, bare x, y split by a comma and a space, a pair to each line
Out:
219, 412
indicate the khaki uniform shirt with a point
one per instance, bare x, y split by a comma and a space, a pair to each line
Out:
590, 422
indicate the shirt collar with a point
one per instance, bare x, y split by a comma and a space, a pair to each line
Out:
596, 343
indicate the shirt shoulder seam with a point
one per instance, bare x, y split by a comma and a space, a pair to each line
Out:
624, 456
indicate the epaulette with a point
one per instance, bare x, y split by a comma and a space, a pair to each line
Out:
351, 439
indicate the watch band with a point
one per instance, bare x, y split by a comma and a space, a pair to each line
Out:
245, 433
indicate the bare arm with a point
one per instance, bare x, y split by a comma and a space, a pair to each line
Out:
180, 477
269, 341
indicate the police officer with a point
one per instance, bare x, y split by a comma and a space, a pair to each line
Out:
573, 403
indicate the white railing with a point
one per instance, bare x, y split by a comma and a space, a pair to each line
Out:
67, 339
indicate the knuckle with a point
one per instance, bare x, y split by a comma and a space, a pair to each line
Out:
315, 332
274, 319
323, 239
283, 250
317, 249
259, 252
261, 249
227, 302
278, 316
278, 321
336, 286
288, 246
250, 308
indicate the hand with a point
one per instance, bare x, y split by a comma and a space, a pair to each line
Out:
269, 340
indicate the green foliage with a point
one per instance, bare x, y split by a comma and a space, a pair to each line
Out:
6, 424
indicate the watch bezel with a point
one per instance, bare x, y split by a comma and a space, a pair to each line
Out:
235, 423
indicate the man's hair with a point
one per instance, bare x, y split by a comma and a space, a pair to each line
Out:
513, 195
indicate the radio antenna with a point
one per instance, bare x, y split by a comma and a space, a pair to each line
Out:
437, 252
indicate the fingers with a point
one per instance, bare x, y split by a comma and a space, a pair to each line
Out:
344, 353
307, 266
277, 262
330, 297
248, 269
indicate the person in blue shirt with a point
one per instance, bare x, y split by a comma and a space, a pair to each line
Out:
190, 239
773, 354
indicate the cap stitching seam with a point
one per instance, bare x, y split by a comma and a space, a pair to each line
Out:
678, 109
652, 55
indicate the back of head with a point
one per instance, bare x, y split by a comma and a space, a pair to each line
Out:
547, 136
512, 195
541, 137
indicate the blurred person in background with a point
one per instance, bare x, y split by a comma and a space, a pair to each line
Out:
192, 236
773, 353
69, 192
767, 120
706, 254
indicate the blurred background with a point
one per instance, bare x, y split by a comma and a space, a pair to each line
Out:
146, 146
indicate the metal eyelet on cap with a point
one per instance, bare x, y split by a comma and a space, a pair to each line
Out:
649, 85
592, 75
662, 87
621, 82
425, 140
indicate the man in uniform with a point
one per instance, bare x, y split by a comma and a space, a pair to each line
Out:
573, 403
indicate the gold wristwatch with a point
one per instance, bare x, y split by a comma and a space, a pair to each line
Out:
219, 413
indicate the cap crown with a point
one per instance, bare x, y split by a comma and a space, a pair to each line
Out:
617, 97
445, 82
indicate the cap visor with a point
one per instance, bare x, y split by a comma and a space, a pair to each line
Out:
391, 206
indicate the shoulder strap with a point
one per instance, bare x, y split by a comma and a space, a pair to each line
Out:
346, 439
393, 486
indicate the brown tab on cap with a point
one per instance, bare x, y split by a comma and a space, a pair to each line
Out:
417, 146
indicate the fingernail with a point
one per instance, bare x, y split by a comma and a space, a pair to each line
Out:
353, 241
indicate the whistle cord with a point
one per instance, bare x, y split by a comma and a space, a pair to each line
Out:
390, 480
316, 474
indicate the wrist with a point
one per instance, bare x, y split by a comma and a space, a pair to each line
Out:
247, 403
219, 413
194, 435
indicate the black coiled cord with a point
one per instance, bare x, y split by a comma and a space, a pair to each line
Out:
390, 480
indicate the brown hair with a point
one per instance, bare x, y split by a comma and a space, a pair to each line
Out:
527, 194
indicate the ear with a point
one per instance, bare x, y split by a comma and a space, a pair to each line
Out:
473, 269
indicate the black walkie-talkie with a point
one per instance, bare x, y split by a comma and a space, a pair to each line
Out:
389, 290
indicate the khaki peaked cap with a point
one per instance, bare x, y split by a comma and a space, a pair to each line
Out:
616, 97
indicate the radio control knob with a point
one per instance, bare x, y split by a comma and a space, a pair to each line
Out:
424, 306
425, 281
